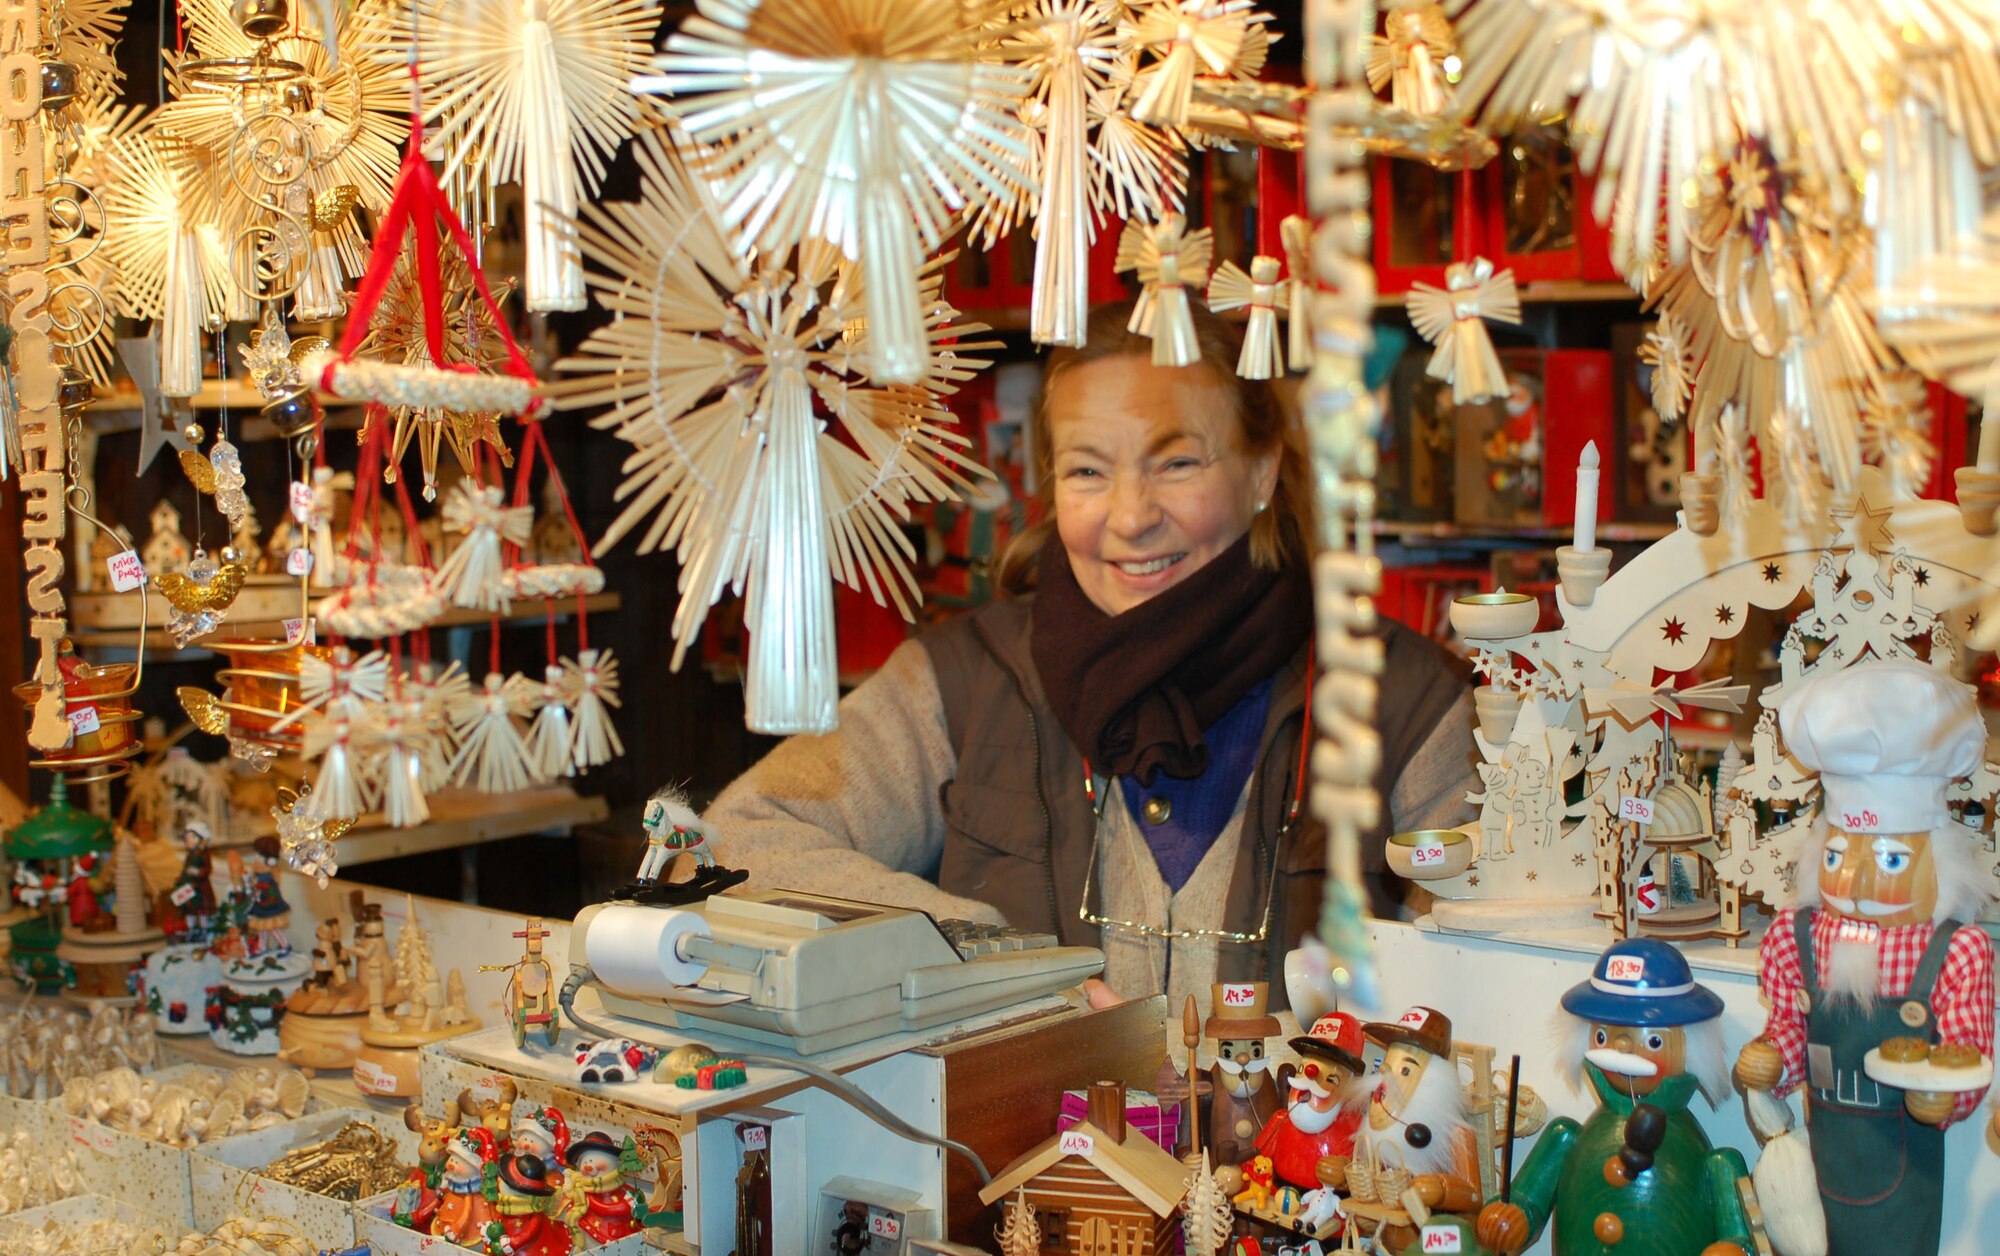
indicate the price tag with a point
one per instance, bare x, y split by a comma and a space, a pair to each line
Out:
756, 1138
1443, 1238
182, 895
300, 629
1076, 1143
1427, 852
299, 562
372, 1079
301, 500
1863, 821
1637, 810
127, 572
1235, 995
91, 1135
1415, 1018
885, 1226
83, 720
1625, 968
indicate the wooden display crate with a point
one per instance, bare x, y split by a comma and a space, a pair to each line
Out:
226, 1180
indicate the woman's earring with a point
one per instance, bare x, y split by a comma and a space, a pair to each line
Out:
1261, 506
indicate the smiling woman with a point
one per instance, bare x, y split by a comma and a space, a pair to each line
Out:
1113, 754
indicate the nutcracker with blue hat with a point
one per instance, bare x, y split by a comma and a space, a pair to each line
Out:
1638, 1176
1880, 988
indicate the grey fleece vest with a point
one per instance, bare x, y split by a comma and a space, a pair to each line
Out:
1019, 826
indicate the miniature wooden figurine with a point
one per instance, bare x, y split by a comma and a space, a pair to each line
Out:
324, 1017
467, 1187
178, 976
1113, 1188
1311, 1142
425, 1010
522, 1225
1881, 994
417, 1200
1417, 1136
1646, 1036
850, 1235
544, 1132
530, 998
672, 830
1245, 1095
605, 1208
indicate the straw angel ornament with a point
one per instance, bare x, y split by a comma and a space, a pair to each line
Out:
1296, 234
1895, 432
534, 92
492, 755
1453, 319
473, 575
1410, 58
713, 373
1263, 355
867, 124
1188, 38
397, 750
1167, 258
590, 687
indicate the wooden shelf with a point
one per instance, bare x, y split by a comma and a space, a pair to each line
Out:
121, 410
1613, 532
458, 818
265, 623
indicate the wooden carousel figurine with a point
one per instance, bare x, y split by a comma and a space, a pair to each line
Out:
1881, 991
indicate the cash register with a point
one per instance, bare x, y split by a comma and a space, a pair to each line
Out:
808, 973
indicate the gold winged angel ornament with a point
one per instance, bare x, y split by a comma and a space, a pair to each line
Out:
1454, 319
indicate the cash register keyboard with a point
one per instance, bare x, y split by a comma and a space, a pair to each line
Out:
972, 938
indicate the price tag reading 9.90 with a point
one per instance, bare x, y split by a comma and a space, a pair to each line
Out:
1637, 810
884, 1226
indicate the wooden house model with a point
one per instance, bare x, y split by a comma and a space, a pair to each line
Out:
1099, 1188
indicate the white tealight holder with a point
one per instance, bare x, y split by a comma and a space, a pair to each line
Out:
1581, 571
1499, 616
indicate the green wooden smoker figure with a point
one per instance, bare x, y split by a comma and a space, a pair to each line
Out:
1638, 1178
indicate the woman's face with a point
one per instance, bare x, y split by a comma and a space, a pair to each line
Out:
1151, 481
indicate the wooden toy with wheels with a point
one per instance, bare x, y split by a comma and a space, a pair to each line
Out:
530, 998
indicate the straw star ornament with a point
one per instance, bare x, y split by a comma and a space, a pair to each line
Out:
534, 92
869, 125
759, 455
169, 259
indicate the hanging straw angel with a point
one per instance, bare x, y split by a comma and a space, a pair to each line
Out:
437, 693
1798, 479
1192, 37
1409, 58
401, 748
1295, 232
551, 735
472, 576
1453, 319
591, 685
492, 756
1167, 258
867, 124
534, 92
1734, 453
1263, 357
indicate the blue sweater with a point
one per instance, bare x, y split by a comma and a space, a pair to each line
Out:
1201, 807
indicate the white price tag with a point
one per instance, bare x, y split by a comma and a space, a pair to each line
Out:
301, 499
1625, 968
1238, 995
1443, 1238
300, 629
127, 572
1076, 1143
756, 1138
1427, 852
182, 895
1637, 810
83, 720
1862, 821
884, 1226
371, 1078
299, 562
91, 1135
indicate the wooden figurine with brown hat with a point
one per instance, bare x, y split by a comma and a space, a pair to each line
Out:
1415, 1152
323, 1017
1245, 1095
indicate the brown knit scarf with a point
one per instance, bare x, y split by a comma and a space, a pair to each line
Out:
1134, 691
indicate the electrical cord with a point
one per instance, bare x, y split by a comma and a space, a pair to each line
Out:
580, 976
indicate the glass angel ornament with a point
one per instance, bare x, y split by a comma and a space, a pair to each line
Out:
869, 125
1263, 354
1454, 319
1167, 259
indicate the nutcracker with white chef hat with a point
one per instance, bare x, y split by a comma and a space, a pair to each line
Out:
1879, 986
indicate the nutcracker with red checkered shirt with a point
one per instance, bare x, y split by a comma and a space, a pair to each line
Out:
1878, 949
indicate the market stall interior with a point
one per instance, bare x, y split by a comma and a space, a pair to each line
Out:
1013, 626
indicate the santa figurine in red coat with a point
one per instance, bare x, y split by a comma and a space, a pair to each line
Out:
610, 1208
522, 1225
1320, 1115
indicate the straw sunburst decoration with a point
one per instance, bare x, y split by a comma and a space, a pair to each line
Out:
170, 263
759, 455
535, 92
868, 124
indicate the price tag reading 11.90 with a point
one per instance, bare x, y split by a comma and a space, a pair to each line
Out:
1637, 810
1075, 1143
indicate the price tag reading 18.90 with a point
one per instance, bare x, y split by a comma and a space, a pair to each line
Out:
1637, 810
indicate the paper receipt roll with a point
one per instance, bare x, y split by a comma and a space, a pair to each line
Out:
635, 950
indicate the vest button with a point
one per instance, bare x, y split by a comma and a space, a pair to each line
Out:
1158, 810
